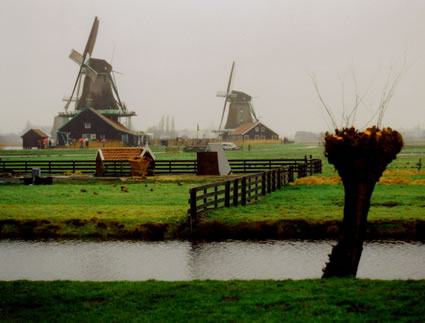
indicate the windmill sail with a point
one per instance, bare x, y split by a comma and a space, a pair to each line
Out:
87, 51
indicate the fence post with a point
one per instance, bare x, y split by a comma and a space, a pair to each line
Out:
273, 174
192, 201
227, 194
249, 189
279, 178
263, 184
235, 191
291, 174
269, 182
243, 191
311, 166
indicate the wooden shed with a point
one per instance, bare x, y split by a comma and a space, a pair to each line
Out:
122, 156
33, 138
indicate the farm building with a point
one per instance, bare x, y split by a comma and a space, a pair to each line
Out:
123, 156
33, 138
253, 131
91, 124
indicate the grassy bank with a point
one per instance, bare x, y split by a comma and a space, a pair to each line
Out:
157, 209
214, 301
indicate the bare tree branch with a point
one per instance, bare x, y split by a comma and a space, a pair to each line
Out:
327, 108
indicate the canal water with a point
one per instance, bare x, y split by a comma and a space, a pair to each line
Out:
184, 260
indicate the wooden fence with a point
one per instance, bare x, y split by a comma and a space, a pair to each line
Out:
304, 166
48, 166
241, 190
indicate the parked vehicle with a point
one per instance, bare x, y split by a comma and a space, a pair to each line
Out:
230, 146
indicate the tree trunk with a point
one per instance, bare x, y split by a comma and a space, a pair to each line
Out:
345, 257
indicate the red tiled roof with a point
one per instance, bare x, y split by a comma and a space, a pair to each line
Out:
120, 153
243, 128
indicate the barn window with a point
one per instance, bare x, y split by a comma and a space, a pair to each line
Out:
257, 129
246, 137
263, 129
87, 125
274, 137
257, 137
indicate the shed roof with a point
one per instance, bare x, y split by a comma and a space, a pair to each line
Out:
38, 132
122, 154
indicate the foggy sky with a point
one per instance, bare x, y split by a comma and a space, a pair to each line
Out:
175, 55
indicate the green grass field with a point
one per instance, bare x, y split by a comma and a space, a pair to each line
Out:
331, 300
101, 208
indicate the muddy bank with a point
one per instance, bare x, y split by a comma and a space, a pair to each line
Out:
202, 230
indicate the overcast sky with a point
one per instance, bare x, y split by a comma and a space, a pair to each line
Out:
175, 55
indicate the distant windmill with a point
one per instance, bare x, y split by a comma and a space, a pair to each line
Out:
240, 107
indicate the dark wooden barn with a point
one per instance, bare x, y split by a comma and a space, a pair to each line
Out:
253, 131
91, 124
33, 138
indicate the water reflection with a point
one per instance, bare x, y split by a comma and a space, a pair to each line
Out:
183, 260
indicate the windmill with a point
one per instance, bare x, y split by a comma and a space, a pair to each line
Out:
240, 109
99, 88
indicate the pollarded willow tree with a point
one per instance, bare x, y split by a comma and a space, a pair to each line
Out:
360, 157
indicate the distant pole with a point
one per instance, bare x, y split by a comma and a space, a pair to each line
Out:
197, 131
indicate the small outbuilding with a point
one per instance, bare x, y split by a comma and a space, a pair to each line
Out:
253, 131
33, 138
108, 157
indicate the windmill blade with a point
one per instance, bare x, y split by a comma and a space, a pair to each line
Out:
253, 111
222, 115
221, 94
88, 50
92, 38
115, 90
87, 70
229, 84
77, 96
230, 78
76, 57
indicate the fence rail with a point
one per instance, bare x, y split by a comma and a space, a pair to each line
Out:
238, 191
304, 166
